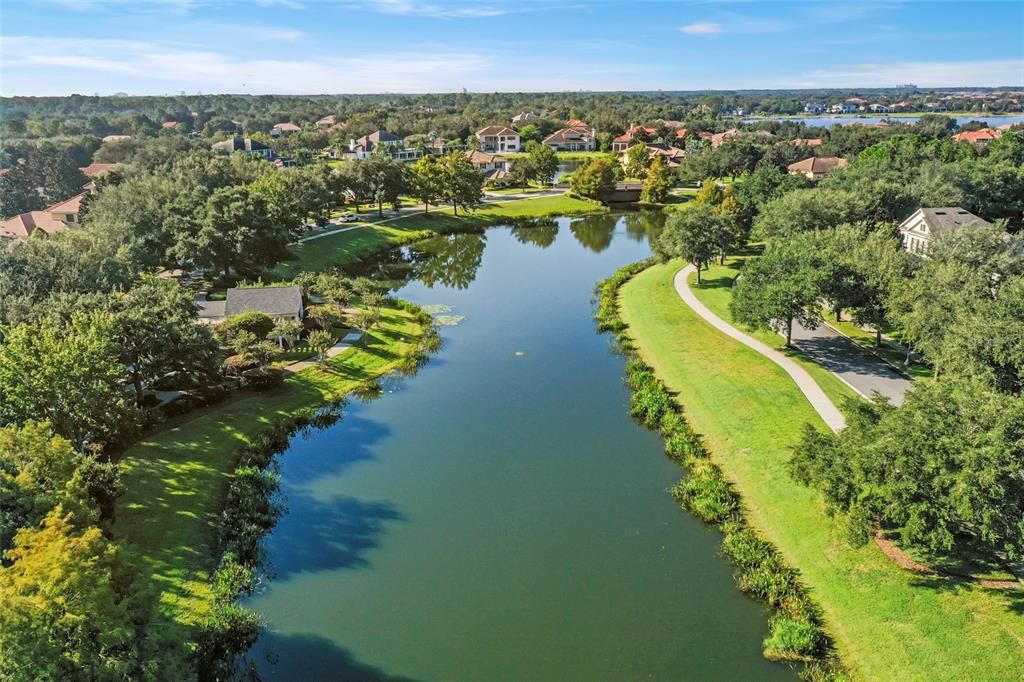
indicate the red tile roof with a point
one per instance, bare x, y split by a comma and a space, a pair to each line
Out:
576, 123
973, 136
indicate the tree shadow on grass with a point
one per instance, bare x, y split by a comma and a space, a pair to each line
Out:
1014, 598
309, 657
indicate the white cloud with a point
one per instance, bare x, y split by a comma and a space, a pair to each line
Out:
702, 28
736, 24
452, 11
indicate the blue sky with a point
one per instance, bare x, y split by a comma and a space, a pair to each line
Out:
56, 47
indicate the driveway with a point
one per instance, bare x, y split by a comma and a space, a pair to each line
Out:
859, 369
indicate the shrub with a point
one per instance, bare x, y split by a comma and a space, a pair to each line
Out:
769, 580
707, 495
745, 548
256, 323
791, 639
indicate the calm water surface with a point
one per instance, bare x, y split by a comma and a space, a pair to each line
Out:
829, 121
498, 516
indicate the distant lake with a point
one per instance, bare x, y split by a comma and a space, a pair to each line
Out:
829, 121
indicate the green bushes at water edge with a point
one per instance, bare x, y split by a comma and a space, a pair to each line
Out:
795, 628
250, 511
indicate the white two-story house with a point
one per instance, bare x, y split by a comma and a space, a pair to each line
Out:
497, 139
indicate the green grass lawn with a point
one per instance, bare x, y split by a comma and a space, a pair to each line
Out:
716, 292
889, 624
174, 480
348, 247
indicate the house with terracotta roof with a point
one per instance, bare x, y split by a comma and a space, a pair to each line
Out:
170, 124
817, 167
632, 135
571, 140
96, 170
326, 122
983, 135
719, 138
498, 139
927, 224
280, 129
50, 220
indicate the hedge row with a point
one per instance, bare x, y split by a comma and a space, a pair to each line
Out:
796, 632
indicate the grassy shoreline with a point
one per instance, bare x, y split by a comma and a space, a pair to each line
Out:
348, 247
887, 623
175, 479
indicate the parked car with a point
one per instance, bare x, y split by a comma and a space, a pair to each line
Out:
348, 218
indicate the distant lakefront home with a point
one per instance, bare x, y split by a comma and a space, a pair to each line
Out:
244, 145
280, 303
498, 139
982, 135
632, 135
926, 224
363, 147
580, 139
280, 129
817, 167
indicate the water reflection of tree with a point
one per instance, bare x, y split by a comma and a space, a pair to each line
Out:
540, 233
451, 260
645, 224
595, 231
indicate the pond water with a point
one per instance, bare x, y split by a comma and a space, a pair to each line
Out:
829, 121
498, 516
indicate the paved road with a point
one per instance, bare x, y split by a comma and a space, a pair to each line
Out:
859, 369
807, 385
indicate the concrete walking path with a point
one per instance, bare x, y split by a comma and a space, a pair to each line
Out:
349, 341
807, 385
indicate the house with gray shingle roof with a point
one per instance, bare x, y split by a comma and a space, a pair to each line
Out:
280, 303
927, 224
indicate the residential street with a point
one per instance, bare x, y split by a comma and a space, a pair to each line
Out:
858, 368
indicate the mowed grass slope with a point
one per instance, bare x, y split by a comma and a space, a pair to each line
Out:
175, 479
889, 624
347, 247
716, 293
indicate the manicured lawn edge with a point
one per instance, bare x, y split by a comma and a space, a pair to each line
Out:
887, 623
796, 629
201, 488
346, 248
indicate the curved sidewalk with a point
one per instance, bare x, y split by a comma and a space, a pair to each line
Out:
819, 401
